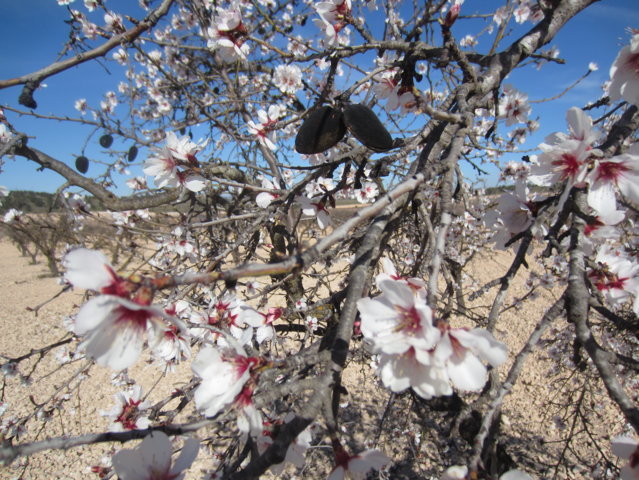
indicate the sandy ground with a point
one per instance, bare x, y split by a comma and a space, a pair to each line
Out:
528, 417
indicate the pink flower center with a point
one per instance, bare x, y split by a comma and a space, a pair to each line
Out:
118, 287
319, 207
458, 349
568, 164
593, 227
245, 397
172, 333
409, 319
129, 415
605, 280
136, 318
610, 171
244, 363
272, 315
236, 35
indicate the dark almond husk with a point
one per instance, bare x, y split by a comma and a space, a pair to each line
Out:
82, 164
320, 131
106, 140
133, 152
367, 128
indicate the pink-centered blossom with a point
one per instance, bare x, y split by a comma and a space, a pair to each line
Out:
624, 73
225, 375
90, 270
263, 128
580, 128
616, 277
452, 14
173, 346
151, 460
627, 448
461, 353
288, 78
128, 411
456, 361
91, 5
522, 11
113, 22
333, 18
517, 211
367, 193
81, 105
227, 35
183, 148
500, 15
386, 87
417, 285
228, 313
567, 162
12, 216
115, 330
515, 170
264, 199
413, 369
513, 106
356, 467
264, 330
397, 320
114, 325
601, 228
178, 152
76, 203
316, 207
567, 157
514, 213
620, 173
319, 187
407, 102
334, 11
416, 354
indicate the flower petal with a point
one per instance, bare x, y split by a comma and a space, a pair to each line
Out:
187, 455
467, 372
88, 269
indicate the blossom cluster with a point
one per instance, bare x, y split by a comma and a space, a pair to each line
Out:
116, 323
572, 160
417, 351
176, 164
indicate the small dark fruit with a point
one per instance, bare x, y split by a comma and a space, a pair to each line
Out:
106, 140
133, 152
82, 164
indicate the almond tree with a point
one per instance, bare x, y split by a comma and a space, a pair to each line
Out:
251, 124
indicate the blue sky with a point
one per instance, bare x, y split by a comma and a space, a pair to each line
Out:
33, 32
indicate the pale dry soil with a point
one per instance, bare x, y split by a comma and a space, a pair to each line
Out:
527, 423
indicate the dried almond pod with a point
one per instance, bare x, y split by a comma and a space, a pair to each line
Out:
367, 128
321, 130
133, 152
106, 140
82, 164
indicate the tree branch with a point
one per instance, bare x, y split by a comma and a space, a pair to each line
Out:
32, 80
